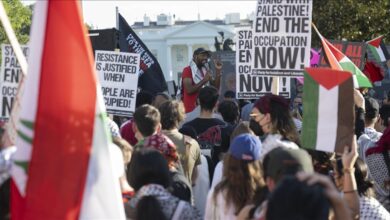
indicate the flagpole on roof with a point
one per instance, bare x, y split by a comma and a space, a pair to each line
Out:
117, 17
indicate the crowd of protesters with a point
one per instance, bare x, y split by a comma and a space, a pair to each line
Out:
210, 157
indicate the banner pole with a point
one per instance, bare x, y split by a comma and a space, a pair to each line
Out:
117, 17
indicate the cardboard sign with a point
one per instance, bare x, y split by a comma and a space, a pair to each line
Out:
11, 74
118, 74
281, 37
250, 85
228, 78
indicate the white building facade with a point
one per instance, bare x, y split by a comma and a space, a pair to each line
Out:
173, 43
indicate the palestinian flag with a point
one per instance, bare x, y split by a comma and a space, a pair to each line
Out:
62, 168
328, 104
378, 49
339, 61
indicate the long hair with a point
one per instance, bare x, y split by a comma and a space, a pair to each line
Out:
365, 186
281, 119
241, 180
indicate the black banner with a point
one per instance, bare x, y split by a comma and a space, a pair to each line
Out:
151, 77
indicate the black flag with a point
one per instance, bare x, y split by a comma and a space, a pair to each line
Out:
151, 77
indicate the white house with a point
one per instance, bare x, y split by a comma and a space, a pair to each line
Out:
173, 42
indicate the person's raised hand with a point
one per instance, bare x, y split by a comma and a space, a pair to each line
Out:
207, 77
218, 64
359, 99
350, 154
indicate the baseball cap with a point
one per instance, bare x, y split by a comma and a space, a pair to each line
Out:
245, 147
372, 107
201, 50
283, 161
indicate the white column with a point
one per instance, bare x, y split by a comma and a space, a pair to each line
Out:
211, 47
169, 59
189, 48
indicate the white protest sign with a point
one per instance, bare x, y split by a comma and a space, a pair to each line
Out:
281, 37
11, 74
248, 85
118, 74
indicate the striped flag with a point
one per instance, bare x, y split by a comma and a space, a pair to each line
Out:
378, 49
339, 61
328, 104
62, 168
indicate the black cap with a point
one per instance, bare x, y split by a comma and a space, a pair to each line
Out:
201, 50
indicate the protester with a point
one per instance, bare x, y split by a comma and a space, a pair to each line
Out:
371, 117
384, 113
370, 208
349, 185
172, 113
148, 174
378, 162
293, 199
146, 123
160, 98
229, 95
242, 177
181, 187
241, 128
246, 111
126, 128
127, 150
277, 164
196, 75
297, 112
271, 113
208, 128
359, 112
229, 112
5, 199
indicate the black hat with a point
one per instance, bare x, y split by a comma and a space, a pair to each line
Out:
201, 50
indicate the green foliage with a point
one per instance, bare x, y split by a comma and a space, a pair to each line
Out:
353, 20
20, 18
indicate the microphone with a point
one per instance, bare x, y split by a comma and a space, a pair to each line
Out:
207, 66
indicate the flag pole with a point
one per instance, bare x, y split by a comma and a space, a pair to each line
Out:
315, 28
117, 17
9, 136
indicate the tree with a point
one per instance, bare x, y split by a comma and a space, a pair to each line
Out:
20, 18
353, 20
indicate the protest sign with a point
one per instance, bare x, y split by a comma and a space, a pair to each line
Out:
118, 74
355, 51
281, 37
11, 74
228, 78
251, 85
